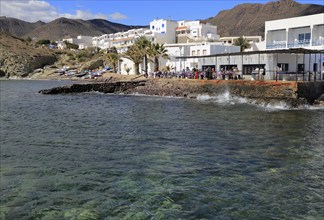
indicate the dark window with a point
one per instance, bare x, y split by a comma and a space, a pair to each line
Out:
163, 25
300, 67
153, 27
315, 67
307, 36
283, 66
301, 37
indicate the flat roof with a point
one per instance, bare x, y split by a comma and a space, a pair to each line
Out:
283, 51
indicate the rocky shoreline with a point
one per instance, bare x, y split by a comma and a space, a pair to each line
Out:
293, 93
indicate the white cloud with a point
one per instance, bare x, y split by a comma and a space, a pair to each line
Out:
84, 15
35, 10
117, 16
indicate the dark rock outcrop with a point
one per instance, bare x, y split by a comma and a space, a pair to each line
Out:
105, 87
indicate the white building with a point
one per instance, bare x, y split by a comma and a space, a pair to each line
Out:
255, 42
164, 31
121, 40
194, 50
169, 31
293, 49
82, 41
305, 31
195, 31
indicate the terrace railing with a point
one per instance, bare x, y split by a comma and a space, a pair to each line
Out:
300, 43
318, 42
276, 45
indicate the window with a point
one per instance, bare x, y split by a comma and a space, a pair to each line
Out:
315, 67
301, 37
162, 25
204, 52
193, 53
283, 67
198, 52
304, 37
153, 27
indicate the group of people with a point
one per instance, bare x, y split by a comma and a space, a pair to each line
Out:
208, 73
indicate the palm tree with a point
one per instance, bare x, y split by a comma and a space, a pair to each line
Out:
157, 51
242, 43
113, 59
144, 47
134, 54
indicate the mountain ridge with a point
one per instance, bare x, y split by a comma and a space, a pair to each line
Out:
243, 19
60, 28
240, 20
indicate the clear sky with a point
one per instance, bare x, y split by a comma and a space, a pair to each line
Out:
130, 12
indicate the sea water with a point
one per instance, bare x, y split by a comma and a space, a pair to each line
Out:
100, 156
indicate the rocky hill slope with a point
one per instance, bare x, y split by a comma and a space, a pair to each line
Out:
19, 59
249, 19
16, 27
60, 28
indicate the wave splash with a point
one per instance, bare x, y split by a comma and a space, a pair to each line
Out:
228, 99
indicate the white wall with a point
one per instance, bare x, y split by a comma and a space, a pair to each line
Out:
295, 22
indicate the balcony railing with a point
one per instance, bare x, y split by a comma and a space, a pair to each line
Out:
294, 44
318, 42
299, 43
276, 45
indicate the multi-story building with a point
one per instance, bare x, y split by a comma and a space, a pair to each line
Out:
82, 41
170, 32
293, 50
195, 31
305, 31
120, 40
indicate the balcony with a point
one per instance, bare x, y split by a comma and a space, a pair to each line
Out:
276, 45
318, 42
298, 43
294, 44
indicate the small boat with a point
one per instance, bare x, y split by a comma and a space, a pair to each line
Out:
80, 74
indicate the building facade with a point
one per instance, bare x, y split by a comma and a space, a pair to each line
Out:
82, 41
298, 32
293, 50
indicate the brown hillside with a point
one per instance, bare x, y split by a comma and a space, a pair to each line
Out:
249, 19
66, 28
16, 27
18, 58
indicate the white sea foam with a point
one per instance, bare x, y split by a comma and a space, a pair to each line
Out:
227, 99
224, 98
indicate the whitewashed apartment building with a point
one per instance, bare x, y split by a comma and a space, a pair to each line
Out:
82, 41
305, 31
291, 46
178, 37
121, 40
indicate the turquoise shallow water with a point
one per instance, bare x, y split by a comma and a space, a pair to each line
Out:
98, 156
